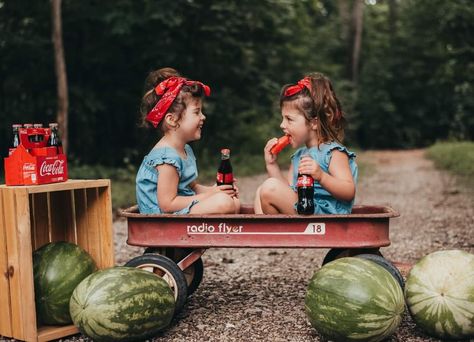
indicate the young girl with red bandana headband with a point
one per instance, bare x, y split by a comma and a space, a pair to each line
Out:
166, 179
312, 118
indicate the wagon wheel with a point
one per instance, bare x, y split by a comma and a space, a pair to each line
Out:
168, 270
193, 273
380, 260
336, 253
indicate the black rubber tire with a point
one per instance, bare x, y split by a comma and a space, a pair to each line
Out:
336, 253
163, 264
380, 260
193, 273
197, 276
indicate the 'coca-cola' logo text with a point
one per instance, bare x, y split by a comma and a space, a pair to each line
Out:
29, 167
51, 169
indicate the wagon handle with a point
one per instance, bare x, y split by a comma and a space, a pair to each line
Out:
189, 259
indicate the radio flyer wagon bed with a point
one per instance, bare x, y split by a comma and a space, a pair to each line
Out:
175, 243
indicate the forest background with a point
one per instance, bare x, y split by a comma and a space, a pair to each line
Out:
403, 69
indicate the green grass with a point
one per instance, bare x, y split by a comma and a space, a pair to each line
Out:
457, 158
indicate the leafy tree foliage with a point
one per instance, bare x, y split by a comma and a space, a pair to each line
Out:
415, 83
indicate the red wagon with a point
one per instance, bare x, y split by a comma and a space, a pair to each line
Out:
175, 243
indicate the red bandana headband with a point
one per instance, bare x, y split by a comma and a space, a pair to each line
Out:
295, 89
306, 83
170, 89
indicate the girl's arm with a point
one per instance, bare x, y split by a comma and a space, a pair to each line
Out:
200, 189
338, 182
167, 190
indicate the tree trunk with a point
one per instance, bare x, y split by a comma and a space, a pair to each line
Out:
357, 21
60, 69
344, 19
392, 17
344, 10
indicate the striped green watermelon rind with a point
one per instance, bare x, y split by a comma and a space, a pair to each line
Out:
352, 299
440, 294
58, 268
122, 304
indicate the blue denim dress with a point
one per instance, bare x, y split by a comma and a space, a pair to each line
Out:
324, 202
147, 178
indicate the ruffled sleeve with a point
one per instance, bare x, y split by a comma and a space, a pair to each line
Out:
165, 156
336, 146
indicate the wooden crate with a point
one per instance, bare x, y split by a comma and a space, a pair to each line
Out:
78, 211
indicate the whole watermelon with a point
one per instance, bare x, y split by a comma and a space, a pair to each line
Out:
57, 268
440, 294
353, 299
122, 304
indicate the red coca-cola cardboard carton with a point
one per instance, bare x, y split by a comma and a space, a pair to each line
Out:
33, 162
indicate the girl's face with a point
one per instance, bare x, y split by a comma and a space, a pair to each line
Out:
192, 120
295, 125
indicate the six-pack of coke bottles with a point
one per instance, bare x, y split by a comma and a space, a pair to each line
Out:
35, 156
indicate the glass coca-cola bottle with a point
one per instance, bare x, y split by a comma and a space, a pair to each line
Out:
16, 135
16, 139
305, 186
224, 172
54, 139
37, 137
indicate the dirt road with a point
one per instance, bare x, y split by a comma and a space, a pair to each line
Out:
258, 294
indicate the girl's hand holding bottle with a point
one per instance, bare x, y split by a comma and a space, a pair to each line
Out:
231, 190
308, 166
236, 189
228, 189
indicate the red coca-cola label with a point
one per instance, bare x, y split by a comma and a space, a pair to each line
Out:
29, 167
304, 181
52, 169
35, 166
225, 178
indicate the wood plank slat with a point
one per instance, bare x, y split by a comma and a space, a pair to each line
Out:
5, 304
25, 269
13, 248
40, 219
80, 212
70, 184
106, 227
71, 234
62, 219
49, 333
93, 225
32, 220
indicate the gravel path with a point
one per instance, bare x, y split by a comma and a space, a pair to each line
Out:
258, 294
